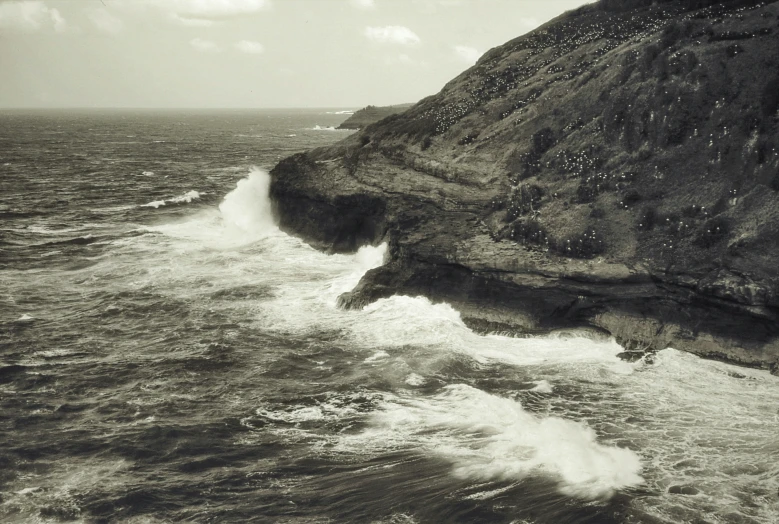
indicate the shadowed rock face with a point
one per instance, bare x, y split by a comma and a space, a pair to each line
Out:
615, 169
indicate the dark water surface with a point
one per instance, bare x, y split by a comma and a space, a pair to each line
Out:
166, 354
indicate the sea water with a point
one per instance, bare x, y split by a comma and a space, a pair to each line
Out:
167, 354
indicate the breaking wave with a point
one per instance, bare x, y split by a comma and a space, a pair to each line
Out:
186, 198
327, 128
488, 437
247, 207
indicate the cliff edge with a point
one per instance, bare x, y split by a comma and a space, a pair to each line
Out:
615, 169
371, 114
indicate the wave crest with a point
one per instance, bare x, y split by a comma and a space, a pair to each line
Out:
487, 437
186, 198
247, 207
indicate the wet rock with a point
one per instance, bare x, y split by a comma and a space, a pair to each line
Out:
631, 356
502, 226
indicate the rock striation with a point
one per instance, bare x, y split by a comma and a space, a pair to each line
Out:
616, 169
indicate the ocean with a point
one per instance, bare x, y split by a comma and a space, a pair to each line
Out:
168, 355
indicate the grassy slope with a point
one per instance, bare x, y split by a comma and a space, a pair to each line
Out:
647, 135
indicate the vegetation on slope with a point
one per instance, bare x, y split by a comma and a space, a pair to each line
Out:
637, 131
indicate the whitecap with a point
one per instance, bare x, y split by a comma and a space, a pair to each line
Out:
542, 386
27, 491
327, 128
186, 198
415, 380
155, 204
491, 438
379, 355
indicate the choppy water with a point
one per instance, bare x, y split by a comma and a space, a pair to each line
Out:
166, 354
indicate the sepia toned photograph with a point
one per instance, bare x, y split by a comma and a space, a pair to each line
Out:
389, 261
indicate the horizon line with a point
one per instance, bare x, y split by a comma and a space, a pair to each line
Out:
215, 108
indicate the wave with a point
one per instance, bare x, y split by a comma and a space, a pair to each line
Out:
186, 198
243, 217
247, 207
490, 438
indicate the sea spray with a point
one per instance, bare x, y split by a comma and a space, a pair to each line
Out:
247, 207
487, 437
366, 258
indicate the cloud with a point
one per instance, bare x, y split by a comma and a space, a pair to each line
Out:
105, 21
392, 34
467, 54
204, 46
192, 9
252, 48
192, 22
30, 16
364, 4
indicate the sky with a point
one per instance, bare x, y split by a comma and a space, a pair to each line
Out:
248, 53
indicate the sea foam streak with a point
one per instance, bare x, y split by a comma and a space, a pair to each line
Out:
487, 437
187, 197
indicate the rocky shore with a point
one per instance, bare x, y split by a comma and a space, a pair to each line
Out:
614, 170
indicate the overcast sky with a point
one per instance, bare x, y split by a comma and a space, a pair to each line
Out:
248, 53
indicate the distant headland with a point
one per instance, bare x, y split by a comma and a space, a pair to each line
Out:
371, 114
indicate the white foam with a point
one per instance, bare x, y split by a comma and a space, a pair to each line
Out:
187, 198
27, 491
542, 386
402, 320
25, 318
415, 380
379, 355
366, 258
335, 407
327, 128
487, 437
247, 207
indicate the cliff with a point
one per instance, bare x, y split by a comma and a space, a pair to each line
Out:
370, 114
615, 169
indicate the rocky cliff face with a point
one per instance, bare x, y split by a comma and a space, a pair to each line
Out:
615, 169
